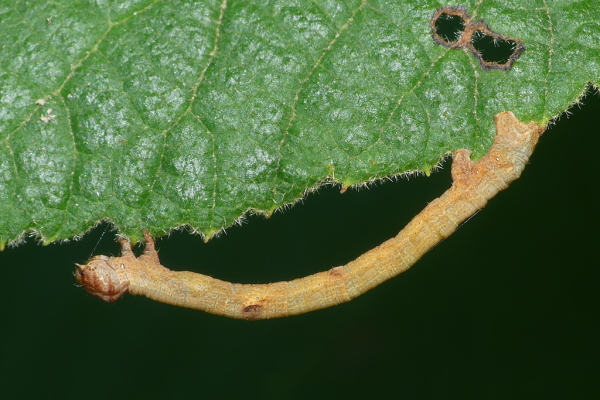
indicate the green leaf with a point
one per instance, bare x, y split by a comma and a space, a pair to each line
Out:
157, 114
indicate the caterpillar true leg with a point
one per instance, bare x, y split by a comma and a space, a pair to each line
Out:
474, 184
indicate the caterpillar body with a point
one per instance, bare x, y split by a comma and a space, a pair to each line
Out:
474, 183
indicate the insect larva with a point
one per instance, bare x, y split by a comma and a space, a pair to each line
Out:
474, 183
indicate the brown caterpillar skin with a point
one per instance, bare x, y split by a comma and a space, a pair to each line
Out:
474, 184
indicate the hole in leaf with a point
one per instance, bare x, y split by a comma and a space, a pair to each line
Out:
450, 27
494, 51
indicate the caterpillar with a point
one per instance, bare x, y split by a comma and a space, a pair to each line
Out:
474, 184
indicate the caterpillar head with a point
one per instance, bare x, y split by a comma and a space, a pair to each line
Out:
103, 277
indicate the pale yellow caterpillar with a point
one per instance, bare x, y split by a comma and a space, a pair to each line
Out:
474, 184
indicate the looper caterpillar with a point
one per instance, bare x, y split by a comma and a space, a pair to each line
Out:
474, 184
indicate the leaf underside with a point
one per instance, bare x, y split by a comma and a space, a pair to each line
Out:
158, 114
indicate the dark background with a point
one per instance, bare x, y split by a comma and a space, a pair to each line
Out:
505, 308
